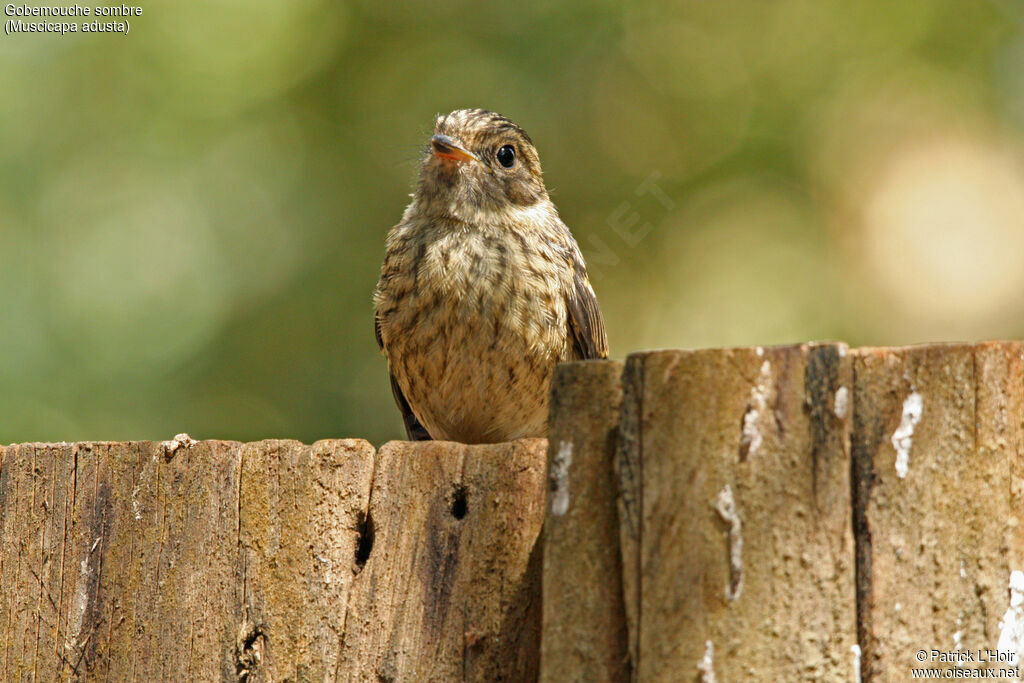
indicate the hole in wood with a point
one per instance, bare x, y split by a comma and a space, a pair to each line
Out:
459, 505
249, 651
364, 542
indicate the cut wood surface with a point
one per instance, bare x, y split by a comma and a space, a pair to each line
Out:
270, 561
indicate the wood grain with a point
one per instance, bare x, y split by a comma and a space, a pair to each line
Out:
585, 633
270, 561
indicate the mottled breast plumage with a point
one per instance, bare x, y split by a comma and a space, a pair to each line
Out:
483, 289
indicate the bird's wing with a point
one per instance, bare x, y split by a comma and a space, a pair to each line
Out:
413, 429
586, 326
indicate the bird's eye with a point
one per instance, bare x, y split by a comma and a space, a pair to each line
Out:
507, 156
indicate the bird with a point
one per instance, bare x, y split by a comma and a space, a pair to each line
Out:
483, 289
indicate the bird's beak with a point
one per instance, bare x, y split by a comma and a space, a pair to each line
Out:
450, 148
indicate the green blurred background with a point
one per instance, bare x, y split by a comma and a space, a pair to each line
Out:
192, 216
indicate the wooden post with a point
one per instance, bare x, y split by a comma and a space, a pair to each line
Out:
119, 560
744, 567
452, 587
584, 619
790, 513
937, 448
801, 513
268, 561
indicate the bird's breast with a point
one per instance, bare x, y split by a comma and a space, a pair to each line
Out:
473, 331
505, 290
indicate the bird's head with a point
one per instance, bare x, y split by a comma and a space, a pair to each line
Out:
478, 162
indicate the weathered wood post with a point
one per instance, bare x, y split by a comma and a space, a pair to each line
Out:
734, 505
792, 513
270, 561
585, 635
938, 458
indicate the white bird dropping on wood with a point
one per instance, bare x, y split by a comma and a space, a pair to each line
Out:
1011, 628
725, 505
560, 479
706, 666
913, 406
750, 434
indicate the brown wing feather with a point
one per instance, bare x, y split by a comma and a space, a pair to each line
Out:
586, 325
413, 429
